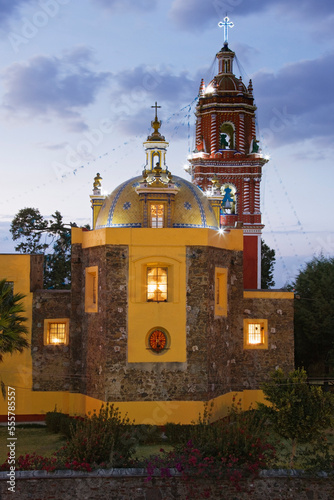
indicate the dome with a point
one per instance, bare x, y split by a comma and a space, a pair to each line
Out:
228, 83
122, 208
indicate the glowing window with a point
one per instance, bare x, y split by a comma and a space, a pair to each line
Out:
56, 331
157, 284
255, 334
157, 215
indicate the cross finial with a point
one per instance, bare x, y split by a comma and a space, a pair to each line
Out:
226, 24
156, 124
156, 110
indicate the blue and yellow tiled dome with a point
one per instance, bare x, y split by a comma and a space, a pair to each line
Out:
122, 208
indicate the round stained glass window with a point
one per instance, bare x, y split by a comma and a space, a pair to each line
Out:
157, 340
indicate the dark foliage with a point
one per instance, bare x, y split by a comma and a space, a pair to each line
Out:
314, 316
267, 266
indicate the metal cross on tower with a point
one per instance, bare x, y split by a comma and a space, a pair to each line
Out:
156, 109
226, 24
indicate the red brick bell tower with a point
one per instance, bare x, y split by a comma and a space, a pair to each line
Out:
227, 161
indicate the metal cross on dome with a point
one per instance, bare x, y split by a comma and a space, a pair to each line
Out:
226, 24
156, 109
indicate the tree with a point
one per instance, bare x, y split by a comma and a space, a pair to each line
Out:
299, 412
314, 315
57, 265
30, 227
267, 266
12, 327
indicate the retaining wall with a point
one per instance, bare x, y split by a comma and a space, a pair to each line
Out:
131, 484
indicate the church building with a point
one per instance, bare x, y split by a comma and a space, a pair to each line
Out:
164, 311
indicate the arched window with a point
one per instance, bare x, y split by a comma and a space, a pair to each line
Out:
226, 136
155, 159
157, 284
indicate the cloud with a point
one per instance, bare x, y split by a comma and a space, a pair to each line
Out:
157, 83
190, 14
297, 102
137, 90
121, 5
52, 86
9, 9
53, 147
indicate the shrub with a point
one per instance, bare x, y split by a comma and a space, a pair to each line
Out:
299, 412
177, 433
103, 437
53, 420
234, 447
62, 423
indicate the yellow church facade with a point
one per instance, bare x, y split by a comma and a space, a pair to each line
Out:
157, 320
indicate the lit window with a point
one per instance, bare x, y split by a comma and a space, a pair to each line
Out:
56, 331
157, 284
157, 215
255, 334
220, 291
91, 283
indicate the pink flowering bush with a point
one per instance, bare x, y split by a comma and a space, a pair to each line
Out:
235, 447
37, 462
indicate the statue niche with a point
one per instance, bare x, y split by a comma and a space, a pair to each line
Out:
226, 136
229, 199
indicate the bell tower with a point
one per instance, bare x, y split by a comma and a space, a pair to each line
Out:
227, 161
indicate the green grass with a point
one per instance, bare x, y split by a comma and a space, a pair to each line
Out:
30, 440
144, 451
37, 439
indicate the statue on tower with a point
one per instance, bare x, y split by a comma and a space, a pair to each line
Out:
255, 146
97, 184
224, 144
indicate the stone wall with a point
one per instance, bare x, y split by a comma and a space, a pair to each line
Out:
95, 361
212, 341
131, 484
76, 324
51, 363
36, 272
104, 334
280, 352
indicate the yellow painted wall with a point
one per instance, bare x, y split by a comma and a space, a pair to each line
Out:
268, 294
145, 245
141, 412
161, 247
231, 240
143, 316
16, 369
